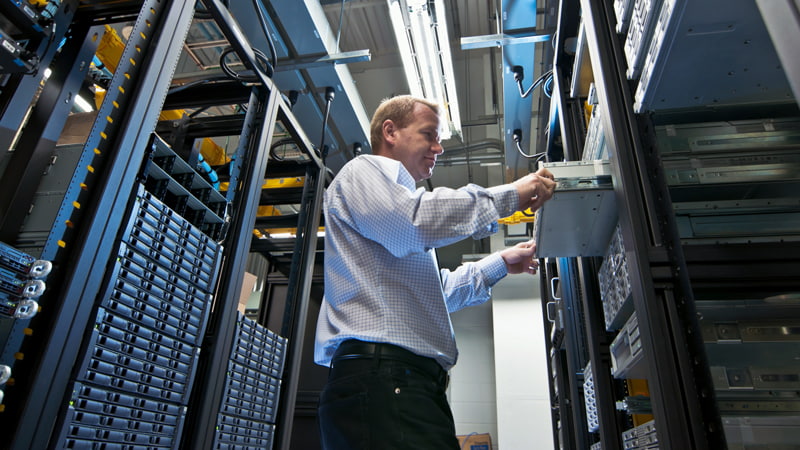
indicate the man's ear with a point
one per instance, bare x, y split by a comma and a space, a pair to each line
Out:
389, 131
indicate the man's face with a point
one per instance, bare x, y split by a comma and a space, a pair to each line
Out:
417, 145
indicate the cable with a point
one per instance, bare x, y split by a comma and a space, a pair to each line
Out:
173, 90
263, 21
519, 75
260, 57
548, 85
268, 65
207, 171
279, 143
517, 137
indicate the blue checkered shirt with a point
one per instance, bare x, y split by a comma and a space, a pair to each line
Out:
382, 281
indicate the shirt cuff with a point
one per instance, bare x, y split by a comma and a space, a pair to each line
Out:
506, 199
493, 268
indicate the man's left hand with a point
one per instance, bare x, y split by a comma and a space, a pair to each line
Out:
521, 258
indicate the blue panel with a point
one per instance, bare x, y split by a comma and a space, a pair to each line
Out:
249, 23
289, 80
298, 23
517, 110
309, 116
518, 14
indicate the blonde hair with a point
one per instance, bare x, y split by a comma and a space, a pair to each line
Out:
400, 110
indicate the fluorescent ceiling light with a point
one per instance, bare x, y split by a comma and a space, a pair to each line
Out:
420, 27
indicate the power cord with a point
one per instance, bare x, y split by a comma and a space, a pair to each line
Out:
245, 78
262, 19
547, 78
517, 137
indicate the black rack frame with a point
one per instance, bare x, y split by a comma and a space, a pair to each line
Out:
81, 242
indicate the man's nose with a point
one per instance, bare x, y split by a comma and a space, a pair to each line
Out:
437, 148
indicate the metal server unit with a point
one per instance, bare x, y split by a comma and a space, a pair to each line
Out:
642, 437
623, 10
743, 68
614, 280
734, 181
21, 283
133, 384
247, 415
640, 31
22, 28
752, 347
174, 181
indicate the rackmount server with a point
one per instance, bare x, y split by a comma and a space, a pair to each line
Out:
639, 33
246, 417
734, 181
742, 69
695, 297
626, 352
174, 181
614, 280
22, 282
147, 248
146, 340
642, 437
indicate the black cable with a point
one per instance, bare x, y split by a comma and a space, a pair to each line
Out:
198, 111
518, 76
191, 84
279, 143
267, 64
260, 57
517, 137
263, 21
34, 58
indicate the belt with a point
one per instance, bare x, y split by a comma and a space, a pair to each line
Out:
355, 349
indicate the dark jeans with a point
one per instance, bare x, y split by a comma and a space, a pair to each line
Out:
383, 404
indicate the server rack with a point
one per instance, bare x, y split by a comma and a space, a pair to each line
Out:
703, 166
147, 250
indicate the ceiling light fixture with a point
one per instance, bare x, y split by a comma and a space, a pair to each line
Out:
420, 27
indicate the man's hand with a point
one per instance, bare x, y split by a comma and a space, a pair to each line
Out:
534, 189
521, 258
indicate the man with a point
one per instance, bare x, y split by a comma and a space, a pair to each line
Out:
384, 326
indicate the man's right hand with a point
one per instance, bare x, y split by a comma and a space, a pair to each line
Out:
534, 189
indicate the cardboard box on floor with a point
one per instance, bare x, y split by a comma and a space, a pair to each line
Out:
475, 441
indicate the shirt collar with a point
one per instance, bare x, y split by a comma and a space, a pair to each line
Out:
395, 170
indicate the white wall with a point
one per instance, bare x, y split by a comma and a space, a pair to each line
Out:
472, 380
523, 399
500, 383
